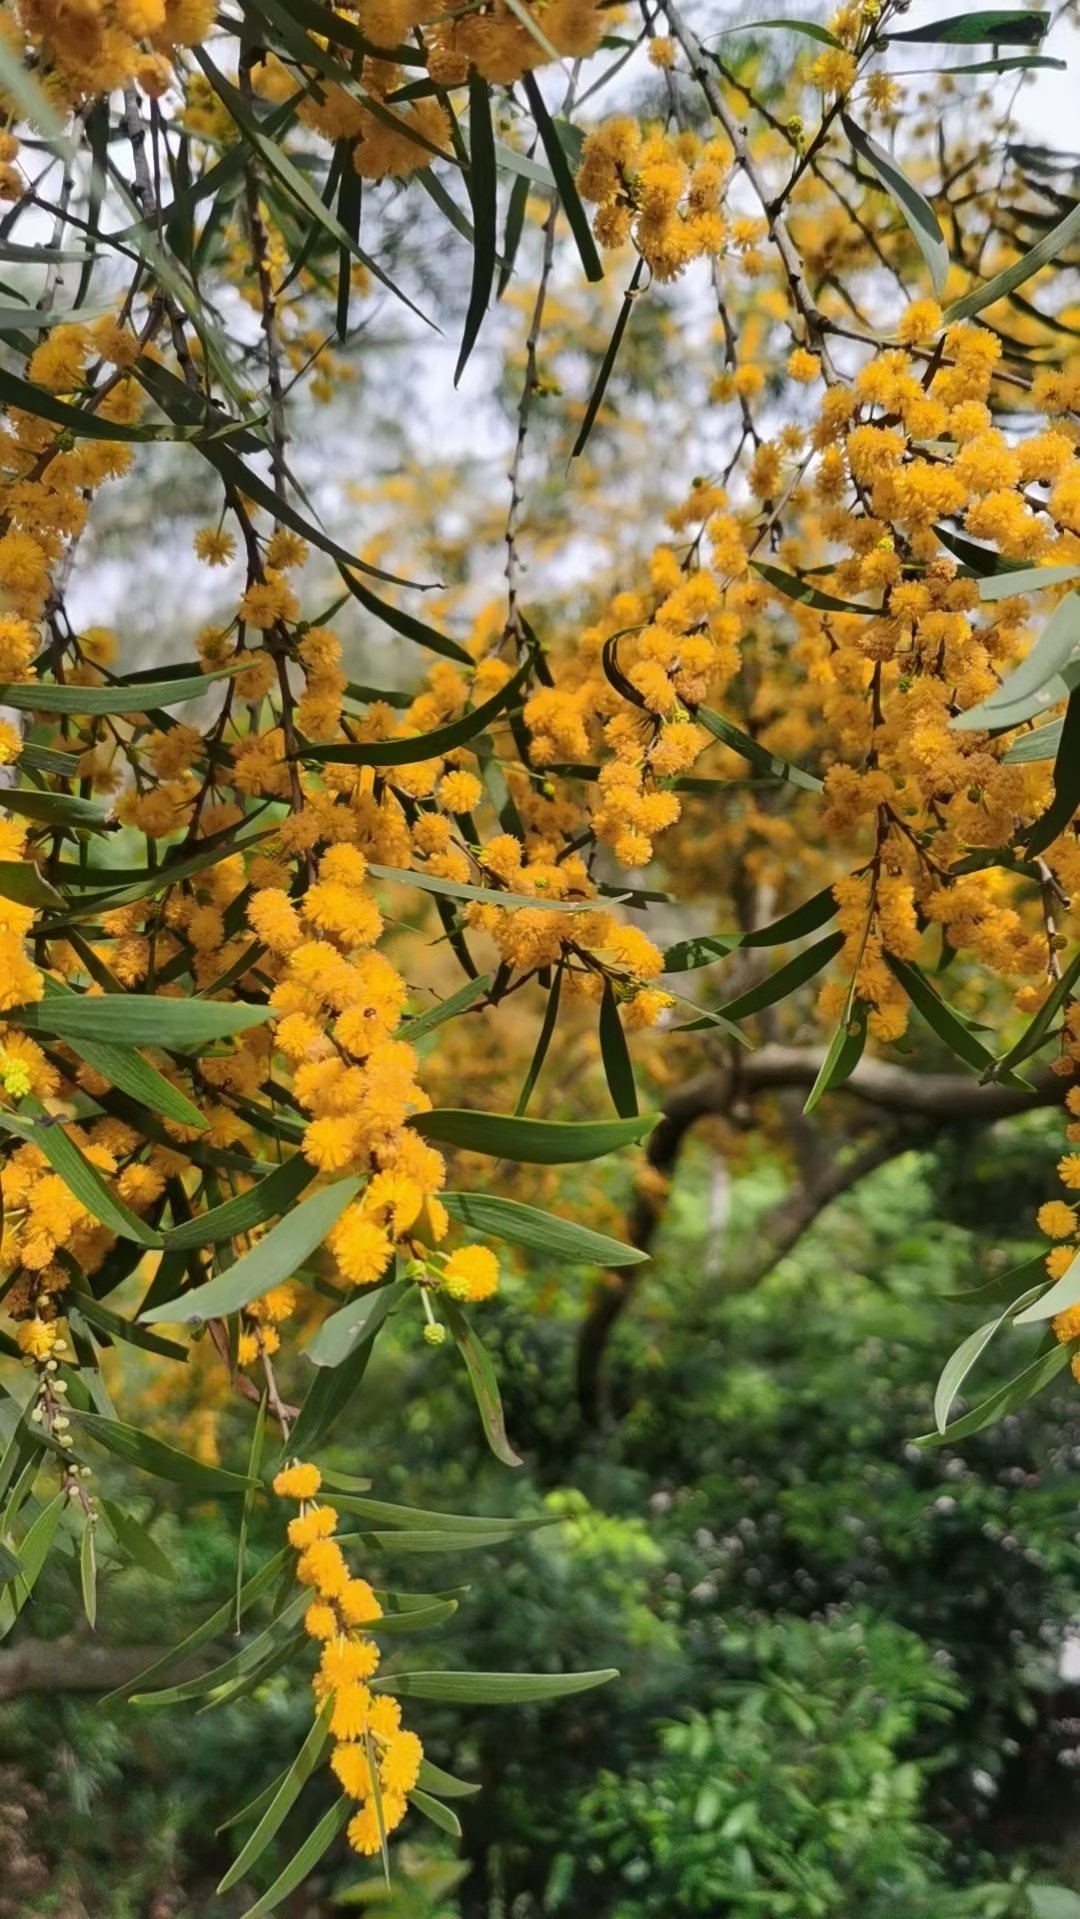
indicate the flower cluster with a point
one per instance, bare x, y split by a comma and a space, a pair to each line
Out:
375, 1759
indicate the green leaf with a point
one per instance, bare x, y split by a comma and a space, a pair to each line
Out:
57, 809
1066, 798
688, 955
138, 1019
10, 1563
303, 1861
330, 1392
513, 230
436, 1780
1053, 1902
88, 1575
135, 1541
1063, 1294
807, 27
33, 1552
1045, 251
940, 1017
154, 1456
960, 1363
416, 1518
482, 193
115, 1326
785, 980
535, 1142
426, 1022
288, 1792
1034, 1034
422, 746
270, 1195
258, 1441
483, 1381
492, 1688
211, 1629
540, 1232
1007, 1398
281, 1633
805, 593
339, 1336
607, 364
1055, 647
434, 1810
429, 1542
392, 616
564, 179
1005, 1287
543, 1041
618, 1068
21, 881
125, 697
270, 1262
757, 755
1040, 744
917, 211
83, 1180
133, 1075
1004, 28
459, 890
1029, 579
845, 1052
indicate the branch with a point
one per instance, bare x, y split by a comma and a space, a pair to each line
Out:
76, 1665
941, 1099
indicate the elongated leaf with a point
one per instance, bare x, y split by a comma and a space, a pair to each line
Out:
536, 1142
1063, 806
482, 193
960, 1363
1007, 1398
331, 1391
130, 1073
258, 1442
423, 1541
57, 809
86, 1183
959, 1039
493, 1688
20, 880
1035, 1033
10, 1563
33, 1551
1063, 1294
543, 1041
88, 1575
273, 1194
154, 1456
1040, 744
1057, 645
135, 1541
1003, 27
281, 1632
540, 1232
807, 27
434, 1779
917, 211
1043, 253
211, 1629
115, 1326
136, 1019
483, 1381
688, 955
288, 1792
1030, 579
512, 232
845, 1052
607, 364
426, 1022
757, 755
127, 697
351, 1326
392, 616
785, 980
805, 592
434, 1810
382, 1512
615, 1053
564, 179
303, 1861
489, 895
423, 746
1004, 1288
270, 1262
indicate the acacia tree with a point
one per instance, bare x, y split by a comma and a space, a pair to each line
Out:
808, 711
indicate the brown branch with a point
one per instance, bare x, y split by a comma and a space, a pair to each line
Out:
936, 1099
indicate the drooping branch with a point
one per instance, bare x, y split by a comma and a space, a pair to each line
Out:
895, 1094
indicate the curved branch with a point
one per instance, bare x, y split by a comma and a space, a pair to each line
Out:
939, 1099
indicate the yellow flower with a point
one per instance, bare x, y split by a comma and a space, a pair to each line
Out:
472, 1272
1056, 1219
298, 1481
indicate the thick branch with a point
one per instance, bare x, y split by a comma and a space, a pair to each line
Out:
78, 1665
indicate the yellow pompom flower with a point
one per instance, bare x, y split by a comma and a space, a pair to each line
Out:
298, 1481
472, 1273
1056, 1219
318, 1523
